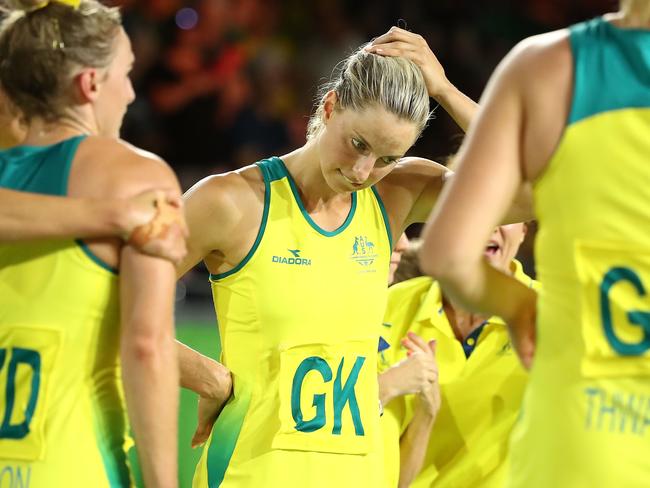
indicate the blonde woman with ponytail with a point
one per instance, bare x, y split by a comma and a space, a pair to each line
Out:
298, 248
86, 326
569, 113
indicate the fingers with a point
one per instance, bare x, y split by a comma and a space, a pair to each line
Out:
396, 34
411, 346
167, 242
420, 343
173, 198
200, 436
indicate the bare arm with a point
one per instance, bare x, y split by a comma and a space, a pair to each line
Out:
142, 219
203, 375
212, 217
414, 441
149, 362
400, 42
470, 208
34, 216
413, 445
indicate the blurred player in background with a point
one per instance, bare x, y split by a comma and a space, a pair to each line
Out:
68, 319
568, 111
429, 343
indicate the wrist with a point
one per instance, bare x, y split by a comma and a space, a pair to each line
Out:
220, 383
387, 390
425, 412
117, 213
442, 92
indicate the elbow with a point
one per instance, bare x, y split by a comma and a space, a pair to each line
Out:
437, 263
446, 266
150, 349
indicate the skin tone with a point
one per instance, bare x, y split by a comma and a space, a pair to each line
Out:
529, 94
355, 150
33, 216
499, 252
25, 216
418, 373
400, 42
106, 168
400, 246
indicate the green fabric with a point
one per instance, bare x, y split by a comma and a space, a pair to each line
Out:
611, 68
39, 169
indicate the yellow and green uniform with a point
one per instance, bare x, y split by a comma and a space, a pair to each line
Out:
481, 387
297, 321
61, 407
586, 412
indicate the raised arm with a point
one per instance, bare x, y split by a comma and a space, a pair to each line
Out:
400, 42
494, 162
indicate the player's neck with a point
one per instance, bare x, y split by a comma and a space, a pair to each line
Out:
305, 169
42, 132
462, 323
634, 14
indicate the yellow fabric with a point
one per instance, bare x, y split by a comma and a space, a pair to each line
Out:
481, 394
297, 323
59, 326
71, 3
586, 409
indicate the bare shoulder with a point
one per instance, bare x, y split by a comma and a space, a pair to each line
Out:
545, 54
223, 213
228, 193
542, 78
113, 168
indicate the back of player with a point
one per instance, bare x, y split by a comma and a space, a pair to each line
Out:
61, 406
587, 410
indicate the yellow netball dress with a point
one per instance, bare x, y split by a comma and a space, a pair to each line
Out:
61, 409
586, 413
297, 320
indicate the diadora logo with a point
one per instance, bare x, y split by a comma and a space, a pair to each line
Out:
295, 259
363, 251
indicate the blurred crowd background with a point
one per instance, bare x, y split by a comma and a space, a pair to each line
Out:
223, 83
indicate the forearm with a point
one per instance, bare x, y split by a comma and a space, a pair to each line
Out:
479, 287
461, 108
26, 216
413, 445
387, 390
150, 377
203, 375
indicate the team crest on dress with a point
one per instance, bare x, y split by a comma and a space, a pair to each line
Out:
363, 251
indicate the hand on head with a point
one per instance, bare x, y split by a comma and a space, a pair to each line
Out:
400, 42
